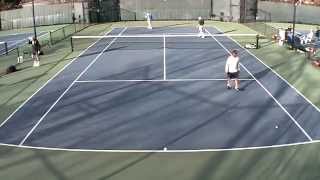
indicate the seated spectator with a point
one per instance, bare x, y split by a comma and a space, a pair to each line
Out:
316, 63
311, 51
282, 36
310, 36
317, 34
298, 44
289, 38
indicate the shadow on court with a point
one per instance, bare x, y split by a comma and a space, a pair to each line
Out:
151, 115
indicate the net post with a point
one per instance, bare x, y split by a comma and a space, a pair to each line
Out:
257, 41
72, 48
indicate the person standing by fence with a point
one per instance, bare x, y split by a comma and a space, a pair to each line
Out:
149, 19
35, 52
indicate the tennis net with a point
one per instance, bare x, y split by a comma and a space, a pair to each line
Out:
160, 41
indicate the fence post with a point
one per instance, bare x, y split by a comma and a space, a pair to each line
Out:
64, 33
18, 52
257, 41
71, 44
6, 47
50, 37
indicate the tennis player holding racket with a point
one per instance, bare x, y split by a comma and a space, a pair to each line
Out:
232, 70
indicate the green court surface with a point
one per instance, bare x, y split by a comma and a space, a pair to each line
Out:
299, 162
294, 163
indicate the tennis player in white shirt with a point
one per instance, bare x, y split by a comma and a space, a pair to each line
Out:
201, 27
149, 19
232, 70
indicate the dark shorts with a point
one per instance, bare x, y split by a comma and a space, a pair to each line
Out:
233, 75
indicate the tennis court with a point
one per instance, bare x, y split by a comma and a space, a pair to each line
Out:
137, 89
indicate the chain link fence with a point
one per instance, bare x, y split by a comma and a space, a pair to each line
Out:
47, 41
45, 14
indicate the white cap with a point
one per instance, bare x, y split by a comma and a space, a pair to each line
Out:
199, 17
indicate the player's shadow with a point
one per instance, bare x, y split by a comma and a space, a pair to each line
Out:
195, 64
144, 72
224, 32
195, 96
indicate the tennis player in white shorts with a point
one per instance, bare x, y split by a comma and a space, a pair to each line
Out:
149, 18
232, 70
201, 27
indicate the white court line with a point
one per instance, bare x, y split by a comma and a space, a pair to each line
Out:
156, 80
267, 91
163, 151
283, 79
21, 105
164, 58
70, 86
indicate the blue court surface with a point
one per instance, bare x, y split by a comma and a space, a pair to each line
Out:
151, 93
14, 40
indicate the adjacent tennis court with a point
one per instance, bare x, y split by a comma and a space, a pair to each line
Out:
11, 42
139, 89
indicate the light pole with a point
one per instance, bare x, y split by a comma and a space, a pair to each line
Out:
34, 20
295, 4
211, 8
